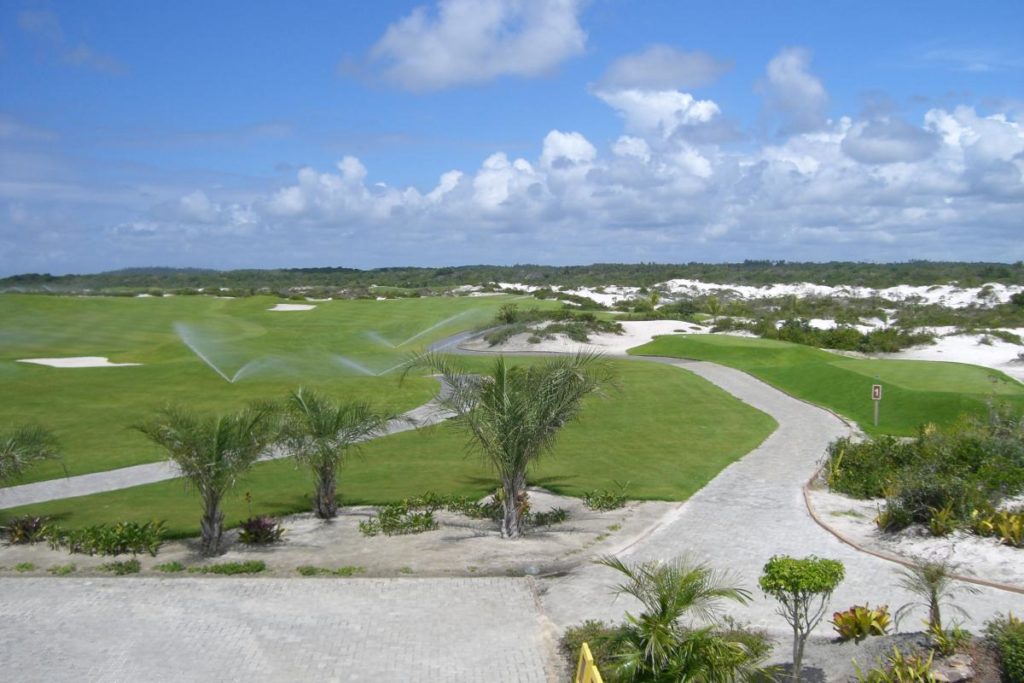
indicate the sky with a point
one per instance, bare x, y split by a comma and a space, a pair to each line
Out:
366, 134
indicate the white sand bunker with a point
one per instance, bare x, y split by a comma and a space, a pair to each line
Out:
77, 362
292, 307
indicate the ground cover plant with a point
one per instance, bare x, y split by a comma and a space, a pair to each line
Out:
343, 348
946, 478
645, 435
545, 324
916, 392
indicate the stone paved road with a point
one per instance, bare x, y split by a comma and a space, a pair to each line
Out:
203, 629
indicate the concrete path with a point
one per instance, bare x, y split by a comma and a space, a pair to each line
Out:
750, 511
233, 629
136, 475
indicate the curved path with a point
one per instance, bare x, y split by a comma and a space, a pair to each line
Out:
452, 629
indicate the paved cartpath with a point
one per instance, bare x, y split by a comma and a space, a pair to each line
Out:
442, 629
136, 475
252, 629
750, 511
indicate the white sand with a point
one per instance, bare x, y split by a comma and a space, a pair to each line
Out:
949, 295
636, 333
292, 307
77, 362
983, 558
967, 348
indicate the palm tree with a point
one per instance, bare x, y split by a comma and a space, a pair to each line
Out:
211, 452
932, 584
318, 432
24, 446
657, 645
513, 414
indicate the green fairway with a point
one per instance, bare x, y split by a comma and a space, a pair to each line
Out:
915, 392
349, 349
664, 431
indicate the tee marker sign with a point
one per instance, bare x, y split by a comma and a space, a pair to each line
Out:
876, 396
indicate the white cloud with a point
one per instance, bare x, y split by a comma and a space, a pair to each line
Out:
474, 41
562, 149
889, 140
661, 67
793, 93
659, 112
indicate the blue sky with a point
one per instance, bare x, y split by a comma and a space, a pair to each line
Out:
269, 134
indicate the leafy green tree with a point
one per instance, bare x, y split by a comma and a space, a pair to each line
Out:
21, 447
319, 433
934, 588
513, 414
657, 645
803, 587
212, 452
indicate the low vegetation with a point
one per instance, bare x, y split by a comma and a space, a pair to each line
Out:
545, 324
121, 538
955, 477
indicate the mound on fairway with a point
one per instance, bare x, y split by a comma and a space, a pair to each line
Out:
211, 354
663, 434
915, 392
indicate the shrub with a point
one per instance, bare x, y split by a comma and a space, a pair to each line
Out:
605, 499
25, 529
399, 519
170, 567
62, 569
24, 567
802, 587
119, 539
231, 568
131, 566
260, 530
899, 668
860, 621
1007, 635
553, 516
309, 570
603, 639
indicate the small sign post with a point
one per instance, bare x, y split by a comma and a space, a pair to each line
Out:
876, 397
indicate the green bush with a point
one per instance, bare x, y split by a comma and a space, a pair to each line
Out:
119, 539
260, 531
1006, 634
604, 641
170, 567
25, 529
860, 621
605, 499
131, 566
62, 569
231, 568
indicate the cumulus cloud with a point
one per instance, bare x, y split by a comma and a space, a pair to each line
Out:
793, 93
661, 67
659, 112
45, 28
475, 41
889, 140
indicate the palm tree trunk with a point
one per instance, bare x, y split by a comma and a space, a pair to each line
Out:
511, 520
325, 501
212, 526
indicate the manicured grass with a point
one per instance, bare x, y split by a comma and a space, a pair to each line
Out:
665, 431
91, 409
915, 392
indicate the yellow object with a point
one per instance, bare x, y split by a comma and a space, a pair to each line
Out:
586, 670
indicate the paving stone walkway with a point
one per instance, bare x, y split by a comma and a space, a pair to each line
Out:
252, 629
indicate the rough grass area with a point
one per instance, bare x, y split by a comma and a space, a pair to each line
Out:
91, 409
665, 431
915, 392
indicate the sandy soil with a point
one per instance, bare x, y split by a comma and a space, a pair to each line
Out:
77, 362
292, 307
982, 558
460, 547
636, 333
976, 349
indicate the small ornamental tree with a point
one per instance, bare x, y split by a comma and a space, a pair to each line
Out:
803, 588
